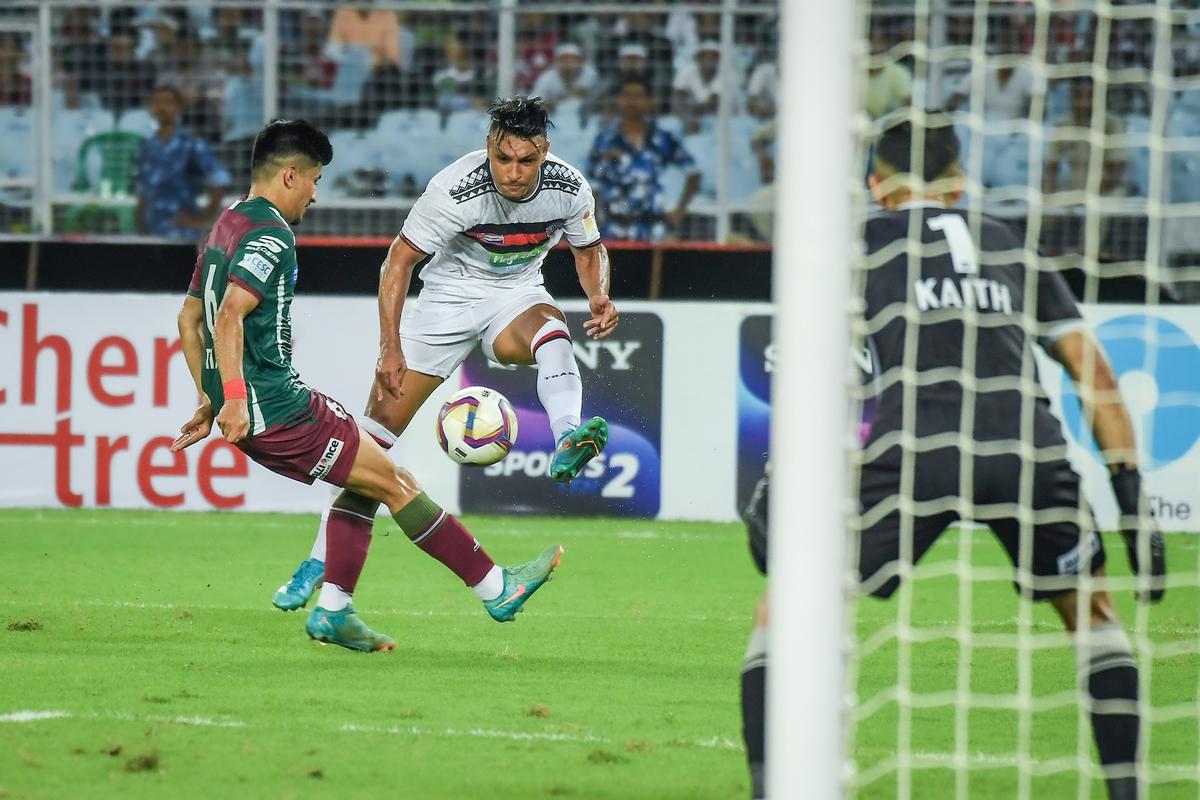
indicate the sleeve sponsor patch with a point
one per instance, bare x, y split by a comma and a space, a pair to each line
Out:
590, 231
257, 266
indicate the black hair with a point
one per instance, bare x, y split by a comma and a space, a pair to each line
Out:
640, 78
290, 137
173, 89
894, 147
520, 116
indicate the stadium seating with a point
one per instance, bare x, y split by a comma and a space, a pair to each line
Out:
137, 120
353, 69
71, 128
105, 167
16, 131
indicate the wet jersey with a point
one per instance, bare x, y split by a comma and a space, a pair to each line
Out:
480, 239
968, 297
251, 245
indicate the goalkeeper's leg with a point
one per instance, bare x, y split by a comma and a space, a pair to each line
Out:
1107, 668
754, 690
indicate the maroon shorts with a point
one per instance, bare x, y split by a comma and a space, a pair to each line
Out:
323, 446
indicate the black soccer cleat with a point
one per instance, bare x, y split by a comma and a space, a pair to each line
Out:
1158, 563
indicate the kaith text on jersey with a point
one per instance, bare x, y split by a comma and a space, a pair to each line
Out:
965, 292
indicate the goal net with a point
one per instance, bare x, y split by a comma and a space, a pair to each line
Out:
1079, 125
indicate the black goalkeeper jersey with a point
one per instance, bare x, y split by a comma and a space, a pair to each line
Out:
977, 307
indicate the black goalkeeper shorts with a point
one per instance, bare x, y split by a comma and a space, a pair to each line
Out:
1060, 548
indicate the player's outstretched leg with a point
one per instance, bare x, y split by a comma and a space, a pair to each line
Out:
504, 591
437, 533
577, 447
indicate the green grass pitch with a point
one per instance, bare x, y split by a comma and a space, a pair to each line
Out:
153, 637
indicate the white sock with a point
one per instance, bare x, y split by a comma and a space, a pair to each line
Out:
318, 548
332, 598
559, 387
492, 584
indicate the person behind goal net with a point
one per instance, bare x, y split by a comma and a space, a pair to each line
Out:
952, 334
952, 340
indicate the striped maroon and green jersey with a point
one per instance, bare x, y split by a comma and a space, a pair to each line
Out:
251, 245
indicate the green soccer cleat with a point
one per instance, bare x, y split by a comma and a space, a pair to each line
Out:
577, 447
299, 590
345, 629
521, 582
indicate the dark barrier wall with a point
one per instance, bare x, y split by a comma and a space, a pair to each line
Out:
695, 273
708, 274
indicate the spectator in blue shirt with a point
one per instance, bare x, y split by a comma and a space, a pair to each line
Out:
174, 166
625, 165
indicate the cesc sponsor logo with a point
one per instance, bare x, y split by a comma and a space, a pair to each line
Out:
618, 471
1158, 366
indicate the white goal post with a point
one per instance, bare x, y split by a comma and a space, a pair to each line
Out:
813, 235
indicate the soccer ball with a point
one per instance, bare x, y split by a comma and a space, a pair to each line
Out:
477, 426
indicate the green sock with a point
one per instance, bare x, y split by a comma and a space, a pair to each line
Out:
416, 517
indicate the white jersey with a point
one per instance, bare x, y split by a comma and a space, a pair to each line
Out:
480, 239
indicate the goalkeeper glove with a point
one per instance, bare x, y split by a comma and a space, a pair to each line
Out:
1138, 529
755, 517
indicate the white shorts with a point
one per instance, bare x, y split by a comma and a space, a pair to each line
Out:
437, 333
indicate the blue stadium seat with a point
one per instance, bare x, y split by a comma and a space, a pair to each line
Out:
353, 69
572, 148
137, 120
703, 147
672, 182
1188, 99
399, 119
1137, 169
352, 150
243, 107
414, 155
16, 131
672, 123
1183, 177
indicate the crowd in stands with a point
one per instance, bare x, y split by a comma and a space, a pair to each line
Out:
635, 98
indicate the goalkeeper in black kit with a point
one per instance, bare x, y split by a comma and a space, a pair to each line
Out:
952, 331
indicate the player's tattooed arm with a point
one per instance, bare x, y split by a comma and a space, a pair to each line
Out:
394, 278
592, 266
191, 339
228, 344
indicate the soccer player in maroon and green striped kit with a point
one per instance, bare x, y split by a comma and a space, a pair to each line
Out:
235, 327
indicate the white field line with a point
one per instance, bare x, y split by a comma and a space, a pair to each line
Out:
30, 716
249, 523
947, 625
97, 602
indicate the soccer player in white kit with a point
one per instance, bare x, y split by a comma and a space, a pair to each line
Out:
488, 220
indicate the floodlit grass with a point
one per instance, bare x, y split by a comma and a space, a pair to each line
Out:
152, 638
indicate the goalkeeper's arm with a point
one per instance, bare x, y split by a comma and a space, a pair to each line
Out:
1109, 420
755, 517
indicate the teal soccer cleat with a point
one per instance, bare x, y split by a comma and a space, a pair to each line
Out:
578, 447
345, 629
521, 582
297, 592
